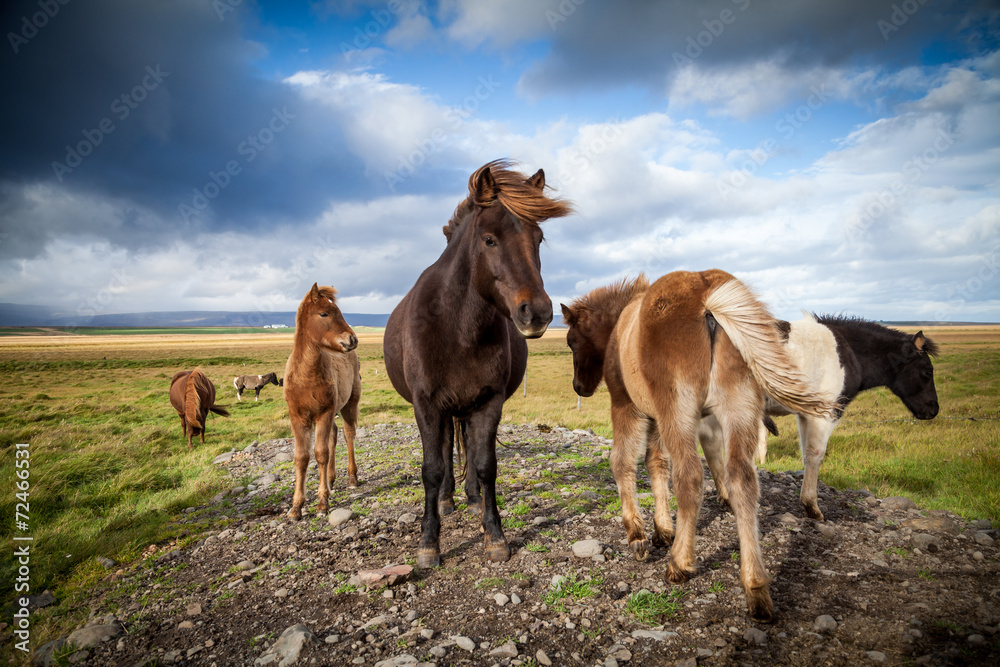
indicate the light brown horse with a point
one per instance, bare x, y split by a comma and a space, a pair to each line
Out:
193, 396
322, 378
687, 346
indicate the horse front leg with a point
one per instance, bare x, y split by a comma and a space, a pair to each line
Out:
630, 432
482, 476
302, 429
446, 494
436, 433
814, 434
326, 444
473, 494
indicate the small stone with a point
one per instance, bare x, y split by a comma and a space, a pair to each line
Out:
586, 548
439, 652
501, 599
825, 623
106, 563
984, 540
655, 635
464, 643
287, 648
515, 599
340, 516
185, 625
92, 635
876, 656
755, 636
508, 650
193, 609
826, 530
542, 659
407, 517
976, 640
689, 662
245, 565
898, 503
788, 519
926, 543
224, 458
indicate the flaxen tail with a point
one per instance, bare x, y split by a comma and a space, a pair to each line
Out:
753, 331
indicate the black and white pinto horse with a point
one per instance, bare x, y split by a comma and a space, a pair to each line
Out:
255, 382
842, 356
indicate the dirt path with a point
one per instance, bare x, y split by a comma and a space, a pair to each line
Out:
877, 583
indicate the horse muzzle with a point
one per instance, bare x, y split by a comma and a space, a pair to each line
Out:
532, 319
349, 344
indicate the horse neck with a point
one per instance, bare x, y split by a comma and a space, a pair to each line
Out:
872, 349
456, 294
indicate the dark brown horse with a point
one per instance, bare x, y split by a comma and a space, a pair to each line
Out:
322, 378
688, 346
193, 396
454, 346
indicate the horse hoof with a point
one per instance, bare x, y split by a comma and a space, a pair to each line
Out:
760, 606
295, 513
664, 540
498, 553
641, 549
814, 513
352, 482
427, 558
677, 575
446, 507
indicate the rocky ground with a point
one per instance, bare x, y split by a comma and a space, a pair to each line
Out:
880, 582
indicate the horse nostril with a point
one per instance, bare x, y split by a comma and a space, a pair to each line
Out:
524, 312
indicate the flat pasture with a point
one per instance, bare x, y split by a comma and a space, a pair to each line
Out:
109, 467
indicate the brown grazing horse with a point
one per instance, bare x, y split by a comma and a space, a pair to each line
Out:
193, 396
687, 346
454, 346
322, 378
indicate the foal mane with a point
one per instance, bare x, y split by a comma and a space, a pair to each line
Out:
609, 301
874, 329
514, 192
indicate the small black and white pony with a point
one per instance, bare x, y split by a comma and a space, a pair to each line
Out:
255, 382
842, 356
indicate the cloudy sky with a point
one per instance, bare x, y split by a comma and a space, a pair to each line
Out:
225, 154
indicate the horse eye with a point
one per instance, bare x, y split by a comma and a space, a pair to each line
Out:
324, 314
489, 241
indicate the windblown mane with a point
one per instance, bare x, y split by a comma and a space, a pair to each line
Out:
611, 299
873, 329
515, 194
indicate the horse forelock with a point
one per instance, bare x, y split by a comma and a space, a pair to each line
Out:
522, 199
609, 301
328, 292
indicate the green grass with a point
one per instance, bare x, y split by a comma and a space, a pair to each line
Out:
110, 472
653, 608
571, 589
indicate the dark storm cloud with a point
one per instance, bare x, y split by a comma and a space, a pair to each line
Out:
155, 101
606, 45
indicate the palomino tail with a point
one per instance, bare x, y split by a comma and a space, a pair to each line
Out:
753, 331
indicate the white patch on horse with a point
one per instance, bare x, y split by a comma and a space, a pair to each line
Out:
813, 348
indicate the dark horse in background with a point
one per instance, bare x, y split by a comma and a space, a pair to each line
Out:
193, 396
454, 346
841, 357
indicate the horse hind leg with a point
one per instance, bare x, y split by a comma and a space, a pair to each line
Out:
714, 445
350, 416
658, 467
679, 436
814, 434
630, 434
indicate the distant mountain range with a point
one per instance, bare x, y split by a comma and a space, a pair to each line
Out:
17, 315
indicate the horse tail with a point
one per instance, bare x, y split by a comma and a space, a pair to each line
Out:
220, 410
192, 399
460, 451
755, 334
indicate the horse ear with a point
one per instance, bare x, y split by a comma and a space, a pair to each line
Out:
919, 341
538, 180
484, 188
569, 317
314, 293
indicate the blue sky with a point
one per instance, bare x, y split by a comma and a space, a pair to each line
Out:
224, 155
